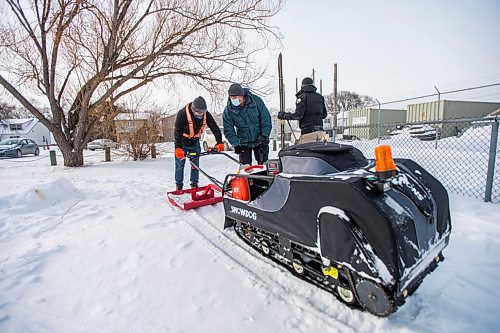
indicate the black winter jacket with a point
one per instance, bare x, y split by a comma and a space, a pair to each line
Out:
182, 126
310, 110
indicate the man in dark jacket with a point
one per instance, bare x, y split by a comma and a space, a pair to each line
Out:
189, 125
247, 124
310, 110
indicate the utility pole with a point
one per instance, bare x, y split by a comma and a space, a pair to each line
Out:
314, 82
296, 85
281, 88
334, 97
321, 86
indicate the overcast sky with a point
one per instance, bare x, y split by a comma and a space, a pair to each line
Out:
390, 49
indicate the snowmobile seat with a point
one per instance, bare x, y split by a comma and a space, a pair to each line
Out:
319, 158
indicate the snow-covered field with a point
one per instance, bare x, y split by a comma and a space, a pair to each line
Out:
99, 249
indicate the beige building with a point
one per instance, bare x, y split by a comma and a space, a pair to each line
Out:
361, 122
449, 110
445, 110
126, 123
167, 127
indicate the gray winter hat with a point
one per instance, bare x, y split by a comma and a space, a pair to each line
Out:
199, 105
235, 90
307, 81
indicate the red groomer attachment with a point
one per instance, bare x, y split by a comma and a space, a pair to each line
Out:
195, 197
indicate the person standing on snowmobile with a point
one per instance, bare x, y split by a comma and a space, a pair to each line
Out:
189, 125
310, 110
247, 125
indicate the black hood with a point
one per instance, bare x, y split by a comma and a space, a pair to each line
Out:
306, 89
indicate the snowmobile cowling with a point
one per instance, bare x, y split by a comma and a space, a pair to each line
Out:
328, 211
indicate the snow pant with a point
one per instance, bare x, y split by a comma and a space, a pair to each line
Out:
179, 165
261, 154
311, 137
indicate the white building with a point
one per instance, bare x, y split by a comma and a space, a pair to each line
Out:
30, 128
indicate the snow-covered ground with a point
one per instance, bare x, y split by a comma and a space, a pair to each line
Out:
99, 249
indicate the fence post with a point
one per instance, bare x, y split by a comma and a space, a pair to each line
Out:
274, 145
491, 161
53, 160
438, 135
107, 154
378, 123
153, 151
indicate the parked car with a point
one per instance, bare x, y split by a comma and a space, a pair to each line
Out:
101, 144
208, 140
18, 147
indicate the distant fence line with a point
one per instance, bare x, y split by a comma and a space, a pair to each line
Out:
436, 94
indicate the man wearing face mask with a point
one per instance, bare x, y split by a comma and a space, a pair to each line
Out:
189, 125
247, 125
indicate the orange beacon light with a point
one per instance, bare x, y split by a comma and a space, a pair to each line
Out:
384, 164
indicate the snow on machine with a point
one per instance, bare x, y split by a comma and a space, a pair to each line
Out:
366, 231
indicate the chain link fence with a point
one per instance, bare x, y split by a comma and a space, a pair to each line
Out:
461, 153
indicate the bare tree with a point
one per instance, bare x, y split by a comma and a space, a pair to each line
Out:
347, 101
139, 141
103, 118
8, 111
79, 54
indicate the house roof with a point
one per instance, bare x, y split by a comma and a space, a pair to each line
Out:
28, 124
132, 116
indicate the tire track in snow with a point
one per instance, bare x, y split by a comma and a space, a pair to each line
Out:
291, 294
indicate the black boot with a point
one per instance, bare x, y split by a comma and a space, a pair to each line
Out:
193, 184
178, 187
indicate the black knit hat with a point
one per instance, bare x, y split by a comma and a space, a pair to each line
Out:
235, 90
199, 105
307, 81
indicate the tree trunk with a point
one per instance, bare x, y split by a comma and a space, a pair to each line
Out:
72, 158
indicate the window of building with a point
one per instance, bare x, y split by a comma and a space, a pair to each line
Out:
16, 127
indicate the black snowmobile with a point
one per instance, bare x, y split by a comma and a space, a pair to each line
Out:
366, 233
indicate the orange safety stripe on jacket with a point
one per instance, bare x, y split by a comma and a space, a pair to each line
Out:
191, 125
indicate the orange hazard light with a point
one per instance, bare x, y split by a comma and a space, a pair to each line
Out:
383, 159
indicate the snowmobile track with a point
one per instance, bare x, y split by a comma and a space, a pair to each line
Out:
235, 255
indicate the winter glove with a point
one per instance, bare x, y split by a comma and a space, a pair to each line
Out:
238, 149
219, 147
284, 115
263, 140
179, 153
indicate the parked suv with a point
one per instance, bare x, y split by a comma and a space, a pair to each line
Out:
18, 147
101, 144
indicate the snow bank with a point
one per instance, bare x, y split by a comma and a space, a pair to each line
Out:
40, 196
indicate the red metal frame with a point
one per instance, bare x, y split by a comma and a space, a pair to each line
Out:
205, 198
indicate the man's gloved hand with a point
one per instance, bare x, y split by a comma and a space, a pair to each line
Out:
281, 115
179, 153
263, 140
238, 149
219, 146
